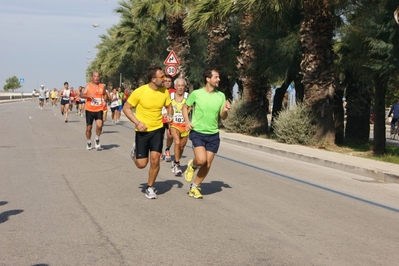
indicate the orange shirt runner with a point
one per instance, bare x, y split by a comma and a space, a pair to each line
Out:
95, 103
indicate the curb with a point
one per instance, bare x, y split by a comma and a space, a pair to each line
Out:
381, 175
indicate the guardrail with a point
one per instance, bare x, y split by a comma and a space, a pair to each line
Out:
15, 95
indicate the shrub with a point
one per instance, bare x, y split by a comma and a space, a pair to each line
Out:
241, 118
295, 126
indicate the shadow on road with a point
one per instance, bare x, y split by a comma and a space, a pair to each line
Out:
213, 187
109, 131
4, 216
162, 187
109, 146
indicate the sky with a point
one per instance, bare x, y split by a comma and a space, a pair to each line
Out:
48, 42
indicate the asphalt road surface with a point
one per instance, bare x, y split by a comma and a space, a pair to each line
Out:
63, 205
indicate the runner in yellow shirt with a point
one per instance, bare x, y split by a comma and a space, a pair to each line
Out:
148, 101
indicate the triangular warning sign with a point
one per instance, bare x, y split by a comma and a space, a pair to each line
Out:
171, 59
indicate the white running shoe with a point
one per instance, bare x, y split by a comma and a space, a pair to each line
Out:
151, 193
176, 168
88, 146
97, 145
168, 158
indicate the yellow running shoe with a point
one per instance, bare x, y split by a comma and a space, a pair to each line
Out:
195, 192
189, 173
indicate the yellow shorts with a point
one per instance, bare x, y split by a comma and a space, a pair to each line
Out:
183, 132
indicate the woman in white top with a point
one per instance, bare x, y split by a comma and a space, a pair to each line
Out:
114, 105
64, 95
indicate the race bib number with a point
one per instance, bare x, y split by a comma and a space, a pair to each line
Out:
178, 118
96, 101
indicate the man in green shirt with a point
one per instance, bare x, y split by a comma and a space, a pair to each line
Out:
208, 105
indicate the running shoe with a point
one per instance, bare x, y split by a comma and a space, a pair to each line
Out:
173, 167
66, 120
132, 151
167, 156
97, 146
195, 192
176, 168
189, 173
151, 193
88, 146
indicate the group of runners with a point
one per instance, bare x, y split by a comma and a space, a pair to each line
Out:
157, 110
66, 97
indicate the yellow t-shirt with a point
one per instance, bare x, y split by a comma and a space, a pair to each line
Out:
148, 104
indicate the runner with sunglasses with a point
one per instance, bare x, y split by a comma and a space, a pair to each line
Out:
148, 101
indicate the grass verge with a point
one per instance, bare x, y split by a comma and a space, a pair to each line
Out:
366, 151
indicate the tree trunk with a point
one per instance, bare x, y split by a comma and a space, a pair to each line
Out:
299, 88
358, 113
278, 99
217, 35
379, 120
318, 67
178, 39
254, 87
339, 117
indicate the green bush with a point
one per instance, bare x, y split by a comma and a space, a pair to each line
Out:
295, 126
241, 118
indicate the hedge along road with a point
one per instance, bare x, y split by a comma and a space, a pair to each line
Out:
63, 205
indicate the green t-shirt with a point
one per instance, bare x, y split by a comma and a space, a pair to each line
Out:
121, 96
207, 107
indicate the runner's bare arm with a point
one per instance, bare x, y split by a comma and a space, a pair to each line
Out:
169, 108
84, 92
185, 110
225, 109
127, 110
106, 95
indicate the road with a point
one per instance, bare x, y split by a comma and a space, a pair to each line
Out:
63, 205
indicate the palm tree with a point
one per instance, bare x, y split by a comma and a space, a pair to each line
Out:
214, 15
369, 50
140, 41
219, 50
173, 13
318, 64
